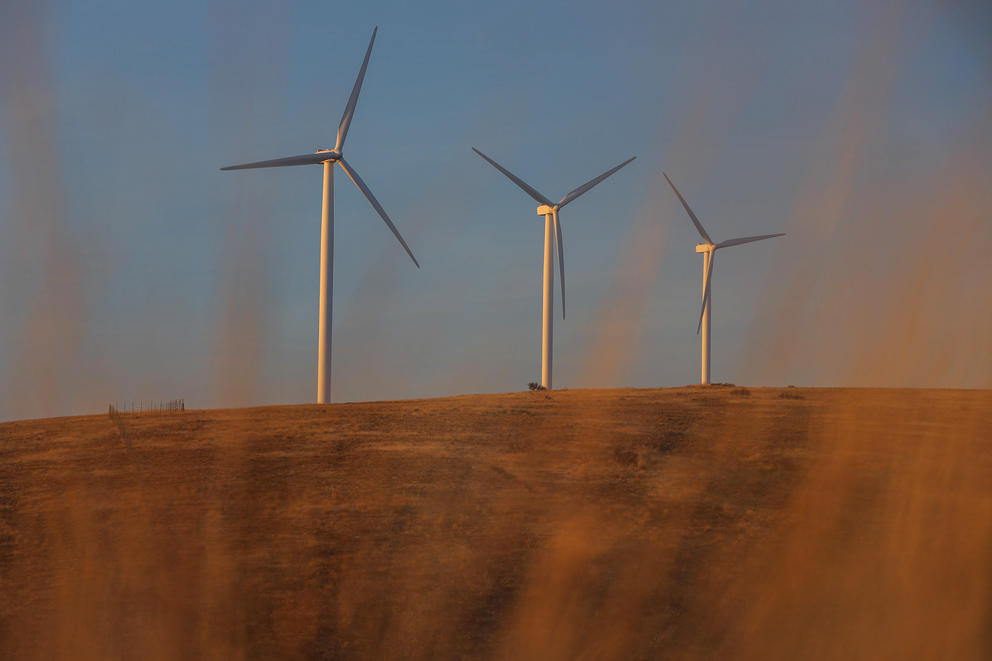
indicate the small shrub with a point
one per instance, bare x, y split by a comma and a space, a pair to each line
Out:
534, 385
790, 395
626, 457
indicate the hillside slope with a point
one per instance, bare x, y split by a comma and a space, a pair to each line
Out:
677, 523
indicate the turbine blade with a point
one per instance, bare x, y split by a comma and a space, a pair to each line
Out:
349, 110
706, 290
746, 239
695, 221
517, 180
353, 175
561, 261
302, 159
589, 184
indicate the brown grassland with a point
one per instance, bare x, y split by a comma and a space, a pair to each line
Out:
720, 522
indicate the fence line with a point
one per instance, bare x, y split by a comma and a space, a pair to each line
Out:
130, 407
117, 412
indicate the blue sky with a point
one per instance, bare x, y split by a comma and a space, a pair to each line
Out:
846, 125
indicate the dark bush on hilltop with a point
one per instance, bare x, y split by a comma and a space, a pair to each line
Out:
534, 385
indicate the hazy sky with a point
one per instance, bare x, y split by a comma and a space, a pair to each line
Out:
132, 268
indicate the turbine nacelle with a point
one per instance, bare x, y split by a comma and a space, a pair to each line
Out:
705, 247
545, 209
332, 154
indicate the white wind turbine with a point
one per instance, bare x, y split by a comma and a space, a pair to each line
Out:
328, 157
549, 210
708, 249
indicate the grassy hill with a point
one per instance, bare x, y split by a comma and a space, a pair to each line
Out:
693, 522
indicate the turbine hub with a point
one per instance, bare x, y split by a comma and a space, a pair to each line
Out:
544, 210
705, 247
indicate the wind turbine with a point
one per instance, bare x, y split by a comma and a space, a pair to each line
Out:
549, 210
708, 249
328, 158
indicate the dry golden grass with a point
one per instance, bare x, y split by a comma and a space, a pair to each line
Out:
680, 523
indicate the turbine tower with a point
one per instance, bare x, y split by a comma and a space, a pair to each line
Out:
708, 250
328, 158
552, 226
